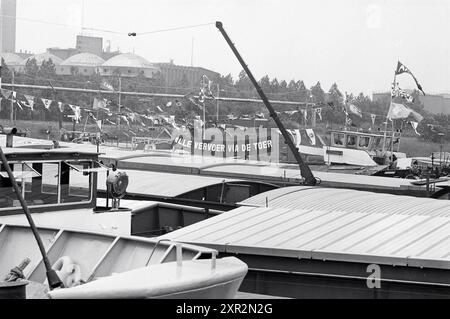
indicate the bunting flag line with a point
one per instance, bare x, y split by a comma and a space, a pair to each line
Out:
401, 68
373, 117
46, 103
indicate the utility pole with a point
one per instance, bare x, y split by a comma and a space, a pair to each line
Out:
120, 101
217, 102
12, 99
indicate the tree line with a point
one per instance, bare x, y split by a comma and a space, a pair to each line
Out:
330, 101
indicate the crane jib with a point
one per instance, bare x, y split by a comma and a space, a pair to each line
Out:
304, 168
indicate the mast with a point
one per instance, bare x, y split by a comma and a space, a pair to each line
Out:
385, 125
304, 168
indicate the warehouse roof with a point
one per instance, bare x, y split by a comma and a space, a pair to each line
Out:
84, 59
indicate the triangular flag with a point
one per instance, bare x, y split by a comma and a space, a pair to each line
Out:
311, 136
305, 114
414, 125
373, 117
319, 112
30, 99
355, 110
348, 120
76, 113
403, 69
19, 105
60, 106
6, 93
47, 103
99, 124
125, 119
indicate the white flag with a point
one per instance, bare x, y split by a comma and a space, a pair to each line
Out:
76, 113
169, 104
414, 125
373, 117
30, 100
47, 103
159, 109
319, 112
60, 106
400, 111
311, 136
298, 137
355, 110
99, 124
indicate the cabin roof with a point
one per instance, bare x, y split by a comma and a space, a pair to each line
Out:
346, 200
164, 184
22, 153
357, 227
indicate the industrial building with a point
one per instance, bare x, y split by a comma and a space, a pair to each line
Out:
81, 63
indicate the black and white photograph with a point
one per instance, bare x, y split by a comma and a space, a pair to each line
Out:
253, 153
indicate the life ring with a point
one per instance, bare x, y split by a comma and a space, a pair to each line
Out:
67, 271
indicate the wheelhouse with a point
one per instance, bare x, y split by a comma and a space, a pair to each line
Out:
361, 141
49, 179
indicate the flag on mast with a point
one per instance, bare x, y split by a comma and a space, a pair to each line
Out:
400, 111
401, 68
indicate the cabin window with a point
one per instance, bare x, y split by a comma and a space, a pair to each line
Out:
338, 139
388, 143
351, 140
363, 142
376, 142
75, 184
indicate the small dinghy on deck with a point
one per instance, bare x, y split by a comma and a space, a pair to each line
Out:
93, 265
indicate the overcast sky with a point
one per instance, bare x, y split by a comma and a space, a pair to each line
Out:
355, 43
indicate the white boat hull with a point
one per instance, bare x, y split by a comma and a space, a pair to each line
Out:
192, 279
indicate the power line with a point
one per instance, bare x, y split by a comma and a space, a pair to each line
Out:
175, 28
63, 24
